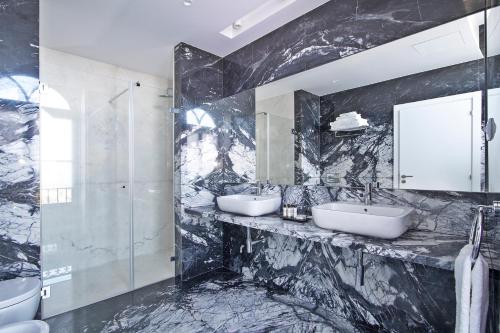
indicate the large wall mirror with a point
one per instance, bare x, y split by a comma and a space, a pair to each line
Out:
409, 114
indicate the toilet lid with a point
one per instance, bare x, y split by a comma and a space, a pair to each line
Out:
17, 290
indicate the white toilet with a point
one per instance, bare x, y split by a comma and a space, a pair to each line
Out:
19, 300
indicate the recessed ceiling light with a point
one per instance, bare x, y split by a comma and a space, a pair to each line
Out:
188, 2
259, 14
237, 25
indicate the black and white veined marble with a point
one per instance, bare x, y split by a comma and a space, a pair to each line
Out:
19, 140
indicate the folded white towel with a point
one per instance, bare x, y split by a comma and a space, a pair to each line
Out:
349, 115
349, 121
479, 298
463, 274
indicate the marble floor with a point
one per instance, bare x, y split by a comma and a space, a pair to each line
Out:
101, 282
217, 302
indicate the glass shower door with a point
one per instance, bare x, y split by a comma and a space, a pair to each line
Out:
85, 192
152, 186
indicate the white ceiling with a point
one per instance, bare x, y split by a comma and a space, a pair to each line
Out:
445, 45
140, 35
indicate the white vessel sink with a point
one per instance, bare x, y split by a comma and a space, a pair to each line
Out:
375, 221
249, 205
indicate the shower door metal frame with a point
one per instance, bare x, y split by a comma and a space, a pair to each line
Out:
131, 183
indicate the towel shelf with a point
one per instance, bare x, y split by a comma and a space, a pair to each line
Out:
347, 134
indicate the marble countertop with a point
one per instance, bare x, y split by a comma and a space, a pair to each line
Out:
418, 246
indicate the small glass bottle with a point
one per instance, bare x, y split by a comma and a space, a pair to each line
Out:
285, 210
294, 212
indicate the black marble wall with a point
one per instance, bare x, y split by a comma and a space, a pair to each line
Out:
354, 161
337, 29
214, 144
395, 296
307, 138
197, 80
197, 75
19, 140
442, 212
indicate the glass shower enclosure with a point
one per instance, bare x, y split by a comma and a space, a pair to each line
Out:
106, 186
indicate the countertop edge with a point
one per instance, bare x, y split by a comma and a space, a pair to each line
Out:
417, 246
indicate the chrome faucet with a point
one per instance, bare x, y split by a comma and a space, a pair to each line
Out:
258, 187
368, 194
496, 207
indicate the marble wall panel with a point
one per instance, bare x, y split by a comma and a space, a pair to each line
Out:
395, 296
335, 30
214, 144
197, 165
307, 138
19, 140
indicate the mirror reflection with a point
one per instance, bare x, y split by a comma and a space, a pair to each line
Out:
401, 115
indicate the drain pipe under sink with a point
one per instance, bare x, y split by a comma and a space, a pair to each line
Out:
360, 269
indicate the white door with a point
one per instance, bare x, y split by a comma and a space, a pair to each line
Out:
494, 146
437, 144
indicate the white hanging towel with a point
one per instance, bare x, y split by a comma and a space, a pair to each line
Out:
471, 286
479, 298
463, 273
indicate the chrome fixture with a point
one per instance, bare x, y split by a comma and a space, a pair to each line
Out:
476, 232
368, 194
137, 84
168, 94
369, 191
249, 240
489, 129
258, 187
360, 268
188, 2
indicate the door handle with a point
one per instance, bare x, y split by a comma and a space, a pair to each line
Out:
406, 176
